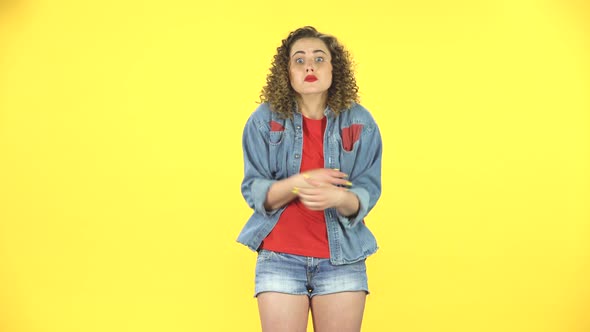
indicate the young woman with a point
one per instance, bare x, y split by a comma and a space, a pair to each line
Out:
312, 173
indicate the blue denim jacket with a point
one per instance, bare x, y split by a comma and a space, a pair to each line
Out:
272, 151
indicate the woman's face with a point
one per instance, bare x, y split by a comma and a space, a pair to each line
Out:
310, 66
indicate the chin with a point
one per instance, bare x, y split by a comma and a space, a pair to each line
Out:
313, 91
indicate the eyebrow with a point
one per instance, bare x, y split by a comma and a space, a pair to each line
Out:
302, 52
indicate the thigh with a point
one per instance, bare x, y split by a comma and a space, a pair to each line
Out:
338, 312
281, 312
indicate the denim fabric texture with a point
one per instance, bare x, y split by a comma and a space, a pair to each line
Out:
301, 275
272, 149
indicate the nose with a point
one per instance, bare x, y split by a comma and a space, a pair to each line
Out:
309, 67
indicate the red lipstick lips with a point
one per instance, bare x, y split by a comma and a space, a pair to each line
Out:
310, 78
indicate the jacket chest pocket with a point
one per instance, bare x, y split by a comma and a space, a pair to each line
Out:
348, 159
276, 154
348, 148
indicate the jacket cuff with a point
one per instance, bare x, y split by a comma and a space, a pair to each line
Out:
363, 197
259, 190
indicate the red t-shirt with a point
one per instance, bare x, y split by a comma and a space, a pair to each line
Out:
301, 231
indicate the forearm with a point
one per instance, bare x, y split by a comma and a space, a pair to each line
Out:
349, 205
281, 193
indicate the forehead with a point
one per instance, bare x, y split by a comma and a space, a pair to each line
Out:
309, 45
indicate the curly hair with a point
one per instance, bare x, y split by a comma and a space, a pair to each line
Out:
278, 91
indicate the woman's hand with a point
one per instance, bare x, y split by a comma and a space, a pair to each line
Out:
322, 176
323, 189
322, 197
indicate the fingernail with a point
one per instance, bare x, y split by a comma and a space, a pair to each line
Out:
295, 190
336, 169
307, 176
348, 183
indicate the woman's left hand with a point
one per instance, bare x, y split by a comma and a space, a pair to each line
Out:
322, 197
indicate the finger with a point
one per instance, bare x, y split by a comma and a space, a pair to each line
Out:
331, 182
315, 190
323, 173
336, 173
311, 197
308, 197
313, 202
312, 205
342, 182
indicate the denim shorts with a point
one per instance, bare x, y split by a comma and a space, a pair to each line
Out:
302, 275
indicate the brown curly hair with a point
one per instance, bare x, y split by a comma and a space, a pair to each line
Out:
278, 91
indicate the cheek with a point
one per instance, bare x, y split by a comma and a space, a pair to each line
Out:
294, 76
329, 75
293, 80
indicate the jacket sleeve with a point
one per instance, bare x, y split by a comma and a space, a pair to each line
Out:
366, 174
257, 175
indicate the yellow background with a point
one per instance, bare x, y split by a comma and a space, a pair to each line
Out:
120, 161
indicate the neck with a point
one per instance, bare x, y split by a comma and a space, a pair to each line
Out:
312, 106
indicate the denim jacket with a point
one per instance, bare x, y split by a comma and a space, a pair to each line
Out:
272, 150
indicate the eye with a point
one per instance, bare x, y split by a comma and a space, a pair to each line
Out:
319, 59
299, 61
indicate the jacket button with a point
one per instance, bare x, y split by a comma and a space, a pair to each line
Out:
297, 156
298, 127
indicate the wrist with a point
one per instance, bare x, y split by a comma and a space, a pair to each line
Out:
341, 198
295, 182
348, 204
